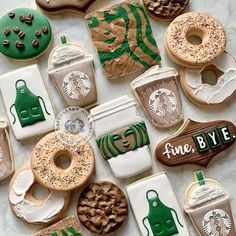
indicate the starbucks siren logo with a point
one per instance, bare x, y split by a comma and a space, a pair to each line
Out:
74, 126
76, 84
162, 102
216, 222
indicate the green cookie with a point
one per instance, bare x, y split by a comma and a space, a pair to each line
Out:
25, 34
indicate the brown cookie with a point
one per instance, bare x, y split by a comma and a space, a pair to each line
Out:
102, 207
165, 9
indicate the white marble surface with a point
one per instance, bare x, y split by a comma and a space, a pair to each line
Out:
221, 169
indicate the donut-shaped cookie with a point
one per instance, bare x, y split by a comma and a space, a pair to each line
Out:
165, 9
204, 94
29, 209
44, 167
102, 207
25, 34
209, 31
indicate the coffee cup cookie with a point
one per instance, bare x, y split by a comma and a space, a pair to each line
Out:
46, 171
186, 53
29, 209
165, 9
220, 91
102, 207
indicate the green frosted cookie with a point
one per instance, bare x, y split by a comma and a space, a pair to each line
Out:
25, 34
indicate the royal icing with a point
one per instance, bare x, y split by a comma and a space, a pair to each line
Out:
160, 213
129, 49
27, 102
27, 209
207, 204
26, 34
158, 93
122, 137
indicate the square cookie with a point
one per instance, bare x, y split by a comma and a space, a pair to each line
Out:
156, 208
27, 102
123, 38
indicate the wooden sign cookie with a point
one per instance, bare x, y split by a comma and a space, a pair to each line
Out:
196, 143
64, 227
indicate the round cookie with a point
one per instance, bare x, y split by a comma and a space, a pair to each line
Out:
165, 9
192, 24
29, 209
203, 94
44, 167
102, 207
25, 34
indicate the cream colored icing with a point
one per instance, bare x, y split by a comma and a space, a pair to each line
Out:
65, 54
31, 211
205, 193
225, 86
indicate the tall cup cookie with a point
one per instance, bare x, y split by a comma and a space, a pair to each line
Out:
29, 209
207, 203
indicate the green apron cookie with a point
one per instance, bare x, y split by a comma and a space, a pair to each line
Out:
25, 34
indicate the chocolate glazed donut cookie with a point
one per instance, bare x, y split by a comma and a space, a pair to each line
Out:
165, 9
102, 207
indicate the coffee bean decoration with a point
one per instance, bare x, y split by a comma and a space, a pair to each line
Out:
35, 43
31, 16
37, 33
21, 35
20, 45
22, 18
28, 20
6, 43
16, 29
7, 31
45, 30
11, 14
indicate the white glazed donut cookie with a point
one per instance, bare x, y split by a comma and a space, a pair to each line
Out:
204, 94
29, 209
184, 53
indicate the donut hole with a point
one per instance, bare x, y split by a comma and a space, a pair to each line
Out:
210, 75
195, 37
38, 192
62, 160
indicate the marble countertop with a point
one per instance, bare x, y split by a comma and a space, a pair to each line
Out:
221, 168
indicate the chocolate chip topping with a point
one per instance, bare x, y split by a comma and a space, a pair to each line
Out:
16, 29
11, 14
28, 20
6, 43
37, 33
22, 18
7, 31
35, 43
45, 30
21, 35
20, 45
102, 207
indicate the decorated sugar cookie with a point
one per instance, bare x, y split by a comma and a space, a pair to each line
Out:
102, 207
204, 94
65, 227
156, 208
157, 92
196, 143
25, 34
72, 71
6, 158
165, 9
207, 203
123, 38
57, 6
27, 102
122, 137
180, 48
29, 209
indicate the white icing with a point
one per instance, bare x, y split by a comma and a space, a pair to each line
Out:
31, 211
226, 84
65, 54
205, 193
